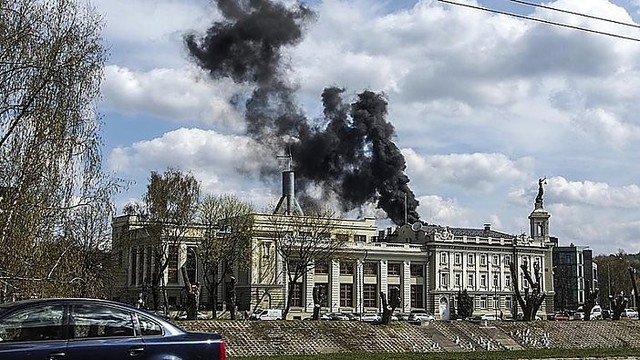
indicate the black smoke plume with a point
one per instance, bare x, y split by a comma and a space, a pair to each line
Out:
351, 153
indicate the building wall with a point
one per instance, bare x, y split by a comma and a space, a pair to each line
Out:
428, 266
573, 268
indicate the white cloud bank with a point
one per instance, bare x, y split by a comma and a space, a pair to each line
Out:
483, 105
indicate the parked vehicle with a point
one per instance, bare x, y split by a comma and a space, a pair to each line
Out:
596, 313
488, 317
183, 316
334, 316
629, 314
77, 329
562, 316
370, 317
269, 314
421, 316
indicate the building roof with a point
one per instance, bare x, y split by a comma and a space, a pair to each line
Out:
469, 232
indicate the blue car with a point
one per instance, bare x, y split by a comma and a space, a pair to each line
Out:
92, 329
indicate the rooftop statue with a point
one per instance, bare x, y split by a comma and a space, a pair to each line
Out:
540, 189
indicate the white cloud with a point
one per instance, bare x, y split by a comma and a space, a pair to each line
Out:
483, 104
149, 33
605, 126
221, 163
477, 172
597, 194
436, 210
175, 94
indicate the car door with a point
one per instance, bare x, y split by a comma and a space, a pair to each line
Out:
34, 333
102, 332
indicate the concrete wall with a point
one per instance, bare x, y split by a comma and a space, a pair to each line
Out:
265, 338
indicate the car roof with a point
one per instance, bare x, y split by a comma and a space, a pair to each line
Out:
8, 307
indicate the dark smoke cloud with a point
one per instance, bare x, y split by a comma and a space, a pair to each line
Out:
350, 154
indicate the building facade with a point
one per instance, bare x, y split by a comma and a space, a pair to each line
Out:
573, 269
429, 264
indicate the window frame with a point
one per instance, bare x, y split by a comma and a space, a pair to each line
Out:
393, 265
346, 268
133, 321
27, 312
370, 268
346, 295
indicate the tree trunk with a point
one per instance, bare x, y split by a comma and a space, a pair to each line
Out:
193, 296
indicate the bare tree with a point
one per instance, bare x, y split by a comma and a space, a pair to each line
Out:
303, 241
226, 243
51, 63
193, 295
590, 300
618, 304
388, 307
171, 202
533, 295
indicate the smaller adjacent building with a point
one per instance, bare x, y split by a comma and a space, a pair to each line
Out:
573, 268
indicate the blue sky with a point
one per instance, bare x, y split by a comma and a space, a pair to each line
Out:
483, 105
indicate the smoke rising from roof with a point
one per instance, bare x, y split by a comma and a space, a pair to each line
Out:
351, 154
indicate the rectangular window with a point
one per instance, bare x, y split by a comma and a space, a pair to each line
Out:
323, 293
191, 265
322, 267
346, 295
148, 257
444, 280
471, 259
134, 265
483, 302
370, 268
296, 295
342, 237
471, 281
417, 270
507, 260
507, 281
495, 260
483, 260
293, 266
443, 258
346, 268
496, 301
140, 265
173, 264
458, 259
360, 238
417, 296
495, 281
394, 269
458, 280
483, 280
370, 295
507, 302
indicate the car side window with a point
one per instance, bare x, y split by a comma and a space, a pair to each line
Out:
36, 323
96, 321
149, 327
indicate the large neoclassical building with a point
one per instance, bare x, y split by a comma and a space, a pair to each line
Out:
429, 264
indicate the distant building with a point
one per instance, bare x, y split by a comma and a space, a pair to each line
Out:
573, 268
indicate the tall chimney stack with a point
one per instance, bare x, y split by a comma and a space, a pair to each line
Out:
288, 205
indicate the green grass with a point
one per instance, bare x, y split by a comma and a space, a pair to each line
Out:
487, 355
